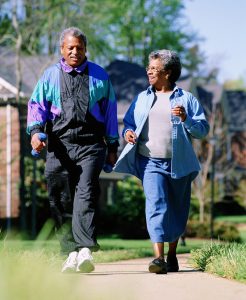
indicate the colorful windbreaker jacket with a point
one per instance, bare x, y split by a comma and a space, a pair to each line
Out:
45, 103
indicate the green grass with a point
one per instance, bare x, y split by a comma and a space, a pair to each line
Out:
28, 275
226, 260
232, 219
112, 249
242, 234
118, 249
31, 269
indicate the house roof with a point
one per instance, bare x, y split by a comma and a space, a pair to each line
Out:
206, 99
209, 95
31, 69
216, 90
234, 107
129, 79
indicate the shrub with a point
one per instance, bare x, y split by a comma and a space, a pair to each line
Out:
128, 212
226, 232
222, 231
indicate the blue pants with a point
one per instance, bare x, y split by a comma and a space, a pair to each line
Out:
167, 200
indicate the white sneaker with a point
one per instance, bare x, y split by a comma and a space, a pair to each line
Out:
70, 264
85, 261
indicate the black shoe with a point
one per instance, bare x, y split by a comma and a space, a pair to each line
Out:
158, 266
172, 264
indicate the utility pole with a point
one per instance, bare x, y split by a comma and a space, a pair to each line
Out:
212, 179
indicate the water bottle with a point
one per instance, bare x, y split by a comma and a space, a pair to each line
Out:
42, 136
177, 101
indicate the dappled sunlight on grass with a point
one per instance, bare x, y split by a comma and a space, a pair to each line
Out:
32, 269
35, 275
225, 259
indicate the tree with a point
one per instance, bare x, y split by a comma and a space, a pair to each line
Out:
237, 84
137, 27
129, 30
205, 152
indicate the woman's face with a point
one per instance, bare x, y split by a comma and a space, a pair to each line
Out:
157, 76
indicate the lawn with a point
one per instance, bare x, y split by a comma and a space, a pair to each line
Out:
112, 249
232, 219
31, 269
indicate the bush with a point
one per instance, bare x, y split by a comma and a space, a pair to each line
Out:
222, 231
35, 191
194, 208
228, 207
128, 212
226, 232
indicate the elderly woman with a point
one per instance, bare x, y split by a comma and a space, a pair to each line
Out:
159, 126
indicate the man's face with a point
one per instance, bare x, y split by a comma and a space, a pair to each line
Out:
73, 50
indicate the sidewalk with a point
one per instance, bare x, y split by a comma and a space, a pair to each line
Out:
130, 280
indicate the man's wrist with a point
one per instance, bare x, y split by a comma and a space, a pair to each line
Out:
113, 147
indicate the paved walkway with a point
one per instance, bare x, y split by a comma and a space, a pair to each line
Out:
130, 280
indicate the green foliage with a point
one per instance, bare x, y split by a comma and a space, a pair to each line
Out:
127, 213
226, 232
5, 29
194, 208
130, 198
128, 30
221, 231
226, 260
36, 194
138, 27
237, 84
41, 190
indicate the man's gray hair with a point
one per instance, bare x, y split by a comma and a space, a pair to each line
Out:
170, 61
73, 31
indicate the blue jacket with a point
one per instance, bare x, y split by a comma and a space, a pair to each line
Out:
184, 160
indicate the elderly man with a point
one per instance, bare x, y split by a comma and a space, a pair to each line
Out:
74, 103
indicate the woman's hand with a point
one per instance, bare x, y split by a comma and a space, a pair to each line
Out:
130, 137
179, 111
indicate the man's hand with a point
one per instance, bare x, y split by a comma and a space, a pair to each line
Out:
36, 143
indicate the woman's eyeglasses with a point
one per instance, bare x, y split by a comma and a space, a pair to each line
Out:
153, 69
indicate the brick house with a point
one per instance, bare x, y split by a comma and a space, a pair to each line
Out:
15, 142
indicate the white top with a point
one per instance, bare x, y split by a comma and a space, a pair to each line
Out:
155, 139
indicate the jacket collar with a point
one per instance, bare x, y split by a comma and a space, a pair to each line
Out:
176, 91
